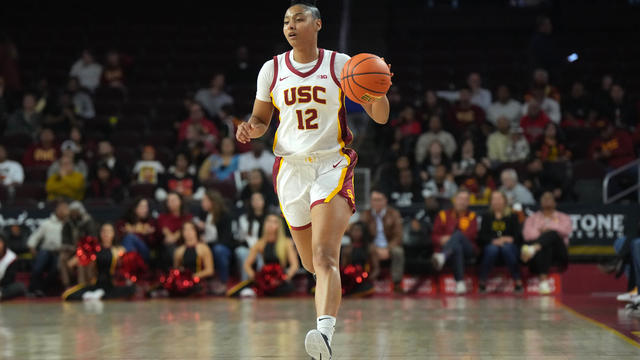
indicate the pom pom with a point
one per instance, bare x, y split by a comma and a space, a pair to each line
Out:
269, 278
351, 276
132, 267
87, 249
179, 282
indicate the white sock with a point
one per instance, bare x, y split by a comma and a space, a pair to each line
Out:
327, 325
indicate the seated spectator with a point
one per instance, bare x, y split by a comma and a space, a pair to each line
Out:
506, 107
454, 238
500, 237
103, 286
45, 245
66, 183
43, 153
257, 182
11, 172
432, 106
534, 121
62, 116
548, 105
421, 225
465, 116
25, 120
619, 110
466, 159
170, 224
79, 224
435, 133
385, 225
70, 150
216, 227
540, 80
518, 146
480, 185
249, 228
180, 178
614, 147
406, 190
516, 192
222, 166
498, 142
106, 156
434, 158
550, 147
87, 149
9, 287
138, 230
87, 70
578, 111
82, 102
442, 185
193, 254
257, 158
409, 126
113, 74
360, 252
214, 97
106, 185
546, 238
478, 95
148, 170
275, 249
197, 128
16, 237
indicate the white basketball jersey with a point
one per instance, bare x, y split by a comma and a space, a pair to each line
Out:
311, 108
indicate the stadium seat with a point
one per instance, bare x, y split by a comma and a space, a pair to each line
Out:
144, 190
36, 173
31, 190
17, 140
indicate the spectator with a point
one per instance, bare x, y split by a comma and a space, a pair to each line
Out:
619, 110
86, 148
43, 153
505, 107
614, 147
540, 80
45, 245
9, 287
465, 116
70, 150
406, 191
113, 74
170, 224
106, 156
220, 167
498, 142
214, 97
242, 72
546, 235
216, 229
16, 238
197, 128
603, 94
422, 223
433, 106
360, 251
500, 237
249, 228
193, 254
105, 185
66, 183
87, 71
549, 106
534, 121
435, 133
275, 249
537, 179
480, 185
82, 102
11, 172
578, 111
516, 193
228, 123
148, 170
551, 148
26, 120
442, 185
542, 48
385, 225
454, 238
62, 116
257, 182
408, 124
479, 96
138, 230
181, 178
465, 160
434, 158
518, 146
257, 158
79, 225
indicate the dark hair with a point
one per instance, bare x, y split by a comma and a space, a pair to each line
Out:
130, 216
310, 6
366, 234
183, 207
218, 206
116, 239
181, 240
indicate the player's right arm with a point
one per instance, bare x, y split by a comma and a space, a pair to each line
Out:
258, 123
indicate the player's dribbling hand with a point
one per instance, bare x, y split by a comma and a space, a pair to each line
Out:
243, 134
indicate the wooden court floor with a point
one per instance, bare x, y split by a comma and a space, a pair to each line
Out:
378, 328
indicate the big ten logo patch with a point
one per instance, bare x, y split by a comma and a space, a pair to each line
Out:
322, 77
304, 94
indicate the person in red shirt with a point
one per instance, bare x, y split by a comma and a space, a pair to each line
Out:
202, 129
614, 147
43, 153
169, 224
534, 122
454, 238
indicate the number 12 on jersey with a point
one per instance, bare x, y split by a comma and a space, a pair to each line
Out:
307, 124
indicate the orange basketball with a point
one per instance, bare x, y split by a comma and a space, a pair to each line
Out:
365, 78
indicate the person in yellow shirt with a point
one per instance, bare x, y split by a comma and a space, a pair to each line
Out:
66, 183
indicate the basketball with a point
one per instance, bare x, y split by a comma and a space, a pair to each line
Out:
365, 78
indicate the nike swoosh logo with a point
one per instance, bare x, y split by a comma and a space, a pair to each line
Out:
284, 78
334, 166
323, 319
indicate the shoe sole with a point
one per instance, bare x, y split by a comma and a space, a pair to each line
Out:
316, 346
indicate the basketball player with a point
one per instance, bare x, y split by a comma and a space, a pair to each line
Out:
313, 171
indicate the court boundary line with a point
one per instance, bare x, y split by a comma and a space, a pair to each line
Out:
599, 324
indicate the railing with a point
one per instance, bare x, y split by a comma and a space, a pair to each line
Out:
607, 179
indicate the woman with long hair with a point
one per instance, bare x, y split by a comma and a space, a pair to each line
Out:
193, 254
249, 230
138, 229
169, 225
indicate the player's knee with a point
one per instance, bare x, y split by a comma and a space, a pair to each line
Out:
324, 260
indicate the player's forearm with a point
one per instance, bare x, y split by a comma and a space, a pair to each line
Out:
380, 110
260, 127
